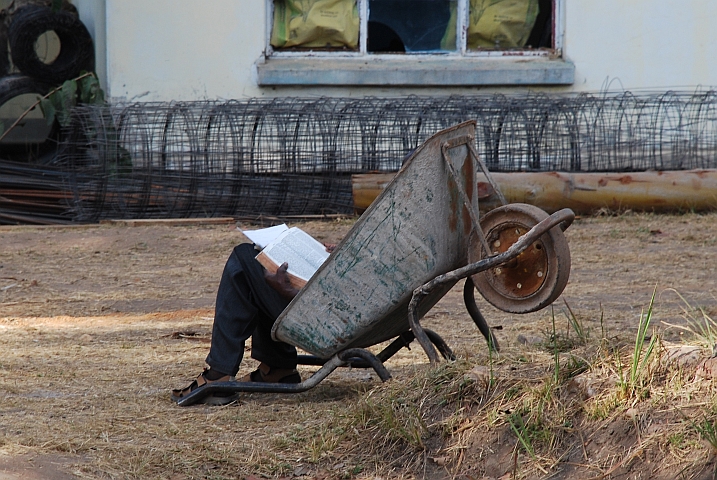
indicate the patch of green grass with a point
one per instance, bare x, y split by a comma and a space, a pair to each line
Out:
557, 341
573, 367
397, 418
643, 230
707, 428
676, 439
582, 333
525, 436
512, 392
634, 384
395, 414
603, 406
324, 441
617, 233
530, 433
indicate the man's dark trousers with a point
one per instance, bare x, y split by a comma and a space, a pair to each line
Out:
246, 307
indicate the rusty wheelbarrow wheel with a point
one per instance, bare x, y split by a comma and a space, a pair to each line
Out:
536, 277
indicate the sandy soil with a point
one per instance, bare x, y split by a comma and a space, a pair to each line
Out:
80, 307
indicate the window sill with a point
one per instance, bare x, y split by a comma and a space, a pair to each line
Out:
412, 71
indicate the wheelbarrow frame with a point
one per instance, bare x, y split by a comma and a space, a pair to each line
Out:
429, 340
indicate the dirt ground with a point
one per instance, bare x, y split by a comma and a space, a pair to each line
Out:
99, 322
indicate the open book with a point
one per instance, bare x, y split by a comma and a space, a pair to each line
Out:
280, 244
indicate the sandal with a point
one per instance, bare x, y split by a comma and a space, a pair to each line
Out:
268, 374
211, 399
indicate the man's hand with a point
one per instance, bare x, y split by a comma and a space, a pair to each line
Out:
330, 247
279, 281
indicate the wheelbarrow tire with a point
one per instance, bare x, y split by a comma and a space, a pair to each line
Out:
536, 277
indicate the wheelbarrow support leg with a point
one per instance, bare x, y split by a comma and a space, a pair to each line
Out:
369, 358
440, 344
470, 300
416, 327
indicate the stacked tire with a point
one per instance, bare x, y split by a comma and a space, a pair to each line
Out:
34, 76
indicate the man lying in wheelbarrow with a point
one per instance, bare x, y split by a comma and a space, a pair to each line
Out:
249, 300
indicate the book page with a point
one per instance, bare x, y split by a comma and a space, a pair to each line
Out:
264, 236
301, 251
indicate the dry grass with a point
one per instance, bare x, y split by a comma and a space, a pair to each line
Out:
582, 423
97, 388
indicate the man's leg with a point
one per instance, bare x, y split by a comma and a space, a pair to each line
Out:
272, 353
246, 305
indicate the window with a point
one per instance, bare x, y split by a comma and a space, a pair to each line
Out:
437, 37
411, 26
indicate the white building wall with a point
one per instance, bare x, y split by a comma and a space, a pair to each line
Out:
206, 49
183, 49
638, 44
93, 15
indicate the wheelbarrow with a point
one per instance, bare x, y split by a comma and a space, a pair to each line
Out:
422, 235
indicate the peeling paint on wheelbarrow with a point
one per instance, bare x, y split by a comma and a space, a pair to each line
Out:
417, 229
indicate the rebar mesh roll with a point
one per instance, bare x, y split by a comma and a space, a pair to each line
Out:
295, 156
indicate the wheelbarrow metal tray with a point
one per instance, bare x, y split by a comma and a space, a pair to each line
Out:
416, 229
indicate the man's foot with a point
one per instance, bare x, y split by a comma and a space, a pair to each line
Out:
268, 374
211, 399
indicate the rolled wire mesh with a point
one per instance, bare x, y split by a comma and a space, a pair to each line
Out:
295, 156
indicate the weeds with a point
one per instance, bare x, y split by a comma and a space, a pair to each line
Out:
325, 441
572, 368
707, 428
582, 333
633, 385
556, 357
563, 342
517, 424
396, 418
529, 432
603, 329
699, 323
604, 405
396, 414
491, 349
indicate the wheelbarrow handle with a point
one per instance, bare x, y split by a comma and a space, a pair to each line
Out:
562, 217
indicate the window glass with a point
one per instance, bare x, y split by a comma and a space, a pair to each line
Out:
542, 34
411, 25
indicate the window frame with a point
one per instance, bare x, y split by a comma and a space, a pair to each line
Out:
462, 7
460, 68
